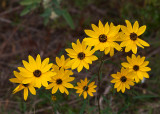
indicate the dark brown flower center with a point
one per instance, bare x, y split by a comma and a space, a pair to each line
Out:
81, 55
25, 85
133, 36
102, 38
59, 81
123, 79
37, 73
85, 88
136, 67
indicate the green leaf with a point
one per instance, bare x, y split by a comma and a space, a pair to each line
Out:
144, 97
28, 9
123, 109
83, 107
56, 2
25, 11
26, 2
68, 18
29, 2
47, 13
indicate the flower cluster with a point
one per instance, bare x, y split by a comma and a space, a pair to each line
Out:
107, 38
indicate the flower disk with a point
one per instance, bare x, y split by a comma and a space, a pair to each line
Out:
130, 37
84, 87
137, 66
122, 80
82, 56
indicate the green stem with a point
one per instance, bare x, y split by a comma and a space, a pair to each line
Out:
99, 83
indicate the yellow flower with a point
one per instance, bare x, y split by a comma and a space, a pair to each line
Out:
54, 98
61, 63
82, 56
36, 71
137, 66
103, 37
61, 81
84, 87
21, 86
110, 49
131, 37
122, 80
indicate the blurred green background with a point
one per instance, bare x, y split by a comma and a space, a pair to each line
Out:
47, 27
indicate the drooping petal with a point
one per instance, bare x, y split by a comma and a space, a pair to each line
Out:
25, 93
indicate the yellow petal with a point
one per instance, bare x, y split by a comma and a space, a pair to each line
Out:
80, 67
125, 64
141, 30
58, 61
85, 94
143, 42
106, 28
91, 41
107, 49
123, 88
38, 61
101, 27
44, 63
66, 91
71, 51
47, 68
68, 85
54, 89
76, 64
145, 63
27, 80
145, 74
32, 90
85, 64
145, 68
113, 31
15, 80
95, 28
135, 27
112, 52
91, 33
25, 93
134, 48
61, 88
28, 66
125, 30
32, 62
129, 26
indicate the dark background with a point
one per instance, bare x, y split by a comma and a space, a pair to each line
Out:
21, 36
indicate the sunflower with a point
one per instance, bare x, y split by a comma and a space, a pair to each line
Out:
131, 37
85, 87
137, 66
21, 86
61, 63
82, 56
36, 71
61, 81
110, 49
103, 37
122, 80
